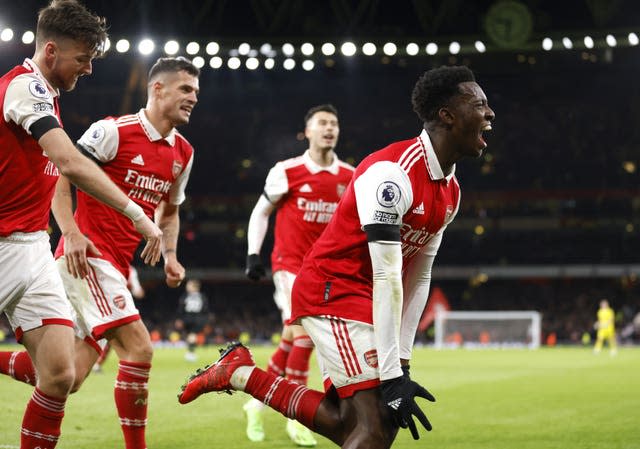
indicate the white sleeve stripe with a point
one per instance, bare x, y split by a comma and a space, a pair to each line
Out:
411, 163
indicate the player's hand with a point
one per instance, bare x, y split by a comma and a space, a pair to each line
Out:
174, 272
399, 396
255, 270
76, 249
153, 235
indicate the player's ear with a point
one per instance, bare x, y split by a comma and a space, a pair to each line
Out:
446, 116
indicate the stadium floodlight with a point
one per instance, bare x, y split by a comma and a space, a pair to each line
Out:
215, 62
193, 48
389, 49
171, 47
412, 49
588, 41
307, 49
252, 63
234, 63
266, 48
369, 49
28, 37
547, 44
431, 48
308, 65
244, 48
633, 39
289, 64
288, 49
212, 48
496, 329
6, 35
269, 63
348, 49
480, 46
454, 48
122, 46
146, 46
568, 44
198, 61
328, 49
611, 40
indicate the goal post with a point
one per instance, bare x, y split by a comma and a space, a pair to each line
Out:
491, 329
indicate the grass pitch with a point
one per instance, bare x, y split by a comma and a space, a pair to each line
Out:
559, 398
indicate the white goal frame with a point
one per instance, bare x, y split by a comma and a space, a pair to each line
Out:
533, 333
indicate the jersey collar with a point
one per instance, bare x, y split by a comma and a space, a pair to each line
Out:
314, 168
433, 165
153, 133
29, 64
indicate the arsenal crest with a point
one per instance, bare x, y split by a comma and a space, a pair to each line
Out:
176, 169
371, 358
340, 188
448, 213
119, 302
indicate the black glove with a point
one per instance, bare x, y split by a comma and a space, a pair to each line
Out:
399, 395
255, 269
405, 371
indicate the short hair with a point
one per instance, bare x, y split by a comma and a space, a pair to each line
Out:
435, 88
320, 108
173, 65
69, 19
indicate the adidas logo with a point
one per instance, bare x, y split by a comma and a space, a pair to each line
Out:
138, 160
395, 404
306, 188
419, 210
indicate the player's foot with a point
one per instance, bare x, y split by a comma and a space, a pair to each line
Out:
299, 434
96, 368
255, 429
216, 377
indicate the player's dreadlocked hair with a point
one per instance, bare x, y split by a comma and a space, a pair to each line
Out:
320, 108
435, 88
173, 65
69, 19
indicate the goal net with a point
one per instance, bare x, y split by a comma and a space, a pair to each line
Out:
496, 329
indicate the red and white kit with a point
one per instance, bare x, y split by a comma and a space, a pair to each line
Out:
31, 293
306, 195
402, 184
149, 169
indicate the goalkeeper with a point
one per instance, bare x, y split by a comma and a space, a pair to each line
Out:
606, 328
364, 283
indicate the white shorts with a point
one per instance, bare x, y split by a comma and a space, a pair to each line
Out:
346, 353
283, 281
31, 292
101, 301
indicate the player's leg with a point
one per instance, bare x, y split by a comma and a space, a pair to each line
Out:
132, 344
40, 316
599, 341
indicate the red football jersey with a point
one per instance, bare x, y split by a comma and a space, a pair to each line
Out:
306, 195
27, 176
146, 166
402, 184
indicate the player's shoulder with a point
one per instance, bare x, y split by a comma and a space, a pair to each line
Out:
292, 162
125, 120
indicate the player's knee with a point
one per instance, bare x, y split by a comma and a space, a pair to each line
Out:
59, 381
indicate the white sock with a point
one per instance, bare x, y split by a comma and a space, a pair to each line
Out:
240, 377
255, 404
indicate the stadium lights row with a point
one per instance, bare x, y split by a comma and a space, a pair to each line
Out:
267, 53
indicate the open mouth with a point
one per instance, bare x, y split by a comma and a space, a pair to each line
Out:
486, 127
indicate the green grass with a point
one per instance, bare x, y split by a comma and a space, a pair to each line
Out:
561, 398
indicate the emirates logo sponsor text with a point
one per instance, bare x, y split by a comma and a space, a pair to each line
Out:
413, 239
51, 170
317, 211
146, 188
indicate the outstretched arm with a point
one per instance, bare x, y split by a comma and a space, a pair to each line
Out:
85, 174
